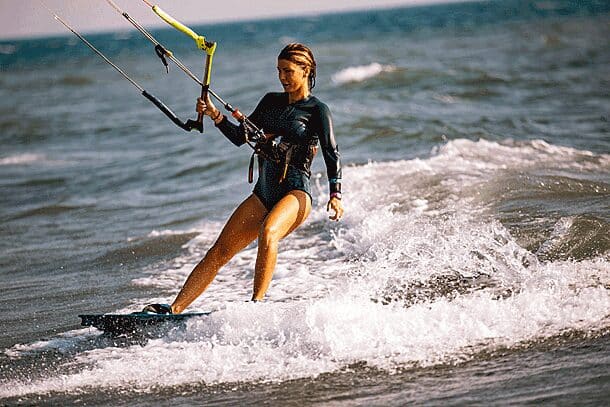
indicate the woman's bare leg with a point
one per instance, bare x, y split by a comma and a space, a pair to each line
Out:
289, 213
240, 230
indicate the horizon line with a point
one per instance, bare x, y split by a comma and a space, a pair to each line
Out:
159, 25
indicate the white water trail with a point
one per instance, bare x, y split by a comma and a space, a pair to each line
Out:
417, 274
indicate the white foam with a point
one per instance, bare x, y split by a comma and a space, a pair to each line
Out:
20, 159
282, 341
7, 49
165, 232
360, 73
520, 155
63, 343
171, 232
424, 223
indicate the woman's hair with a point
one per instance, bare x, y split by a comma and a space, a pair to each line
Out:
301, 55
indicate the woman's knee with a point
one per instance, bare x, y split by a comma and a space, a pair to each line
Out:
269, 234
220, 253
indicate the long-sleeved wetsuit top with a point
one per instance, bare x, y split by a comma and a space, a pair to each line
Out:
303, 123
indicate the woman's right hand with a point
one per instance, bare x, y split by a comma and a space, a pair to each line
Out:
206, 107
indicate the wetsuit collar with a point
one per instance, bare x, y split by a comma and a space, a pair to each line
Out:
305, 99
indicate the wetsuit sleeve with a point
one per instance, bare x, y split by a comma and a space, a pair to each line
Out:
232, 131
235, 133
330, 150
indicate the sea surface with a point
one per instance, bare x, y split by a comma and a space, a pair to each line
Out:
472, 266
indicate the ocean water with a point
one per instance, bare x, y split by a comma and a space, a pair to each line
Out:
472, 265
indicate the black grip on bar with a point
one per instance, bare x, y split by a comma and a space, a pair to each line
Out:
194, 124
188, 126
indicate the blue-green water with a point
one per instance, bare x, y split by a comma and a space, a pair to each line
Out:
472, 266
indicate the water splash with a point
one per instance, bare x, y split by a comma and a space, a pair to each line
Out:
419, 273
360, 73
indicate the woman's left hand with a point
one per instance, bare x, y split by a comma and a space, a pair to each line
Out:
336, 205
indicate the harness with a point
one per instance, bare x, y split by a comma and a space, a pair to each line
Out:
283, 153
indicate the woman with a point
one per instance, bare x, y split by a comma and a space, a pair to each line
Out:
294, 122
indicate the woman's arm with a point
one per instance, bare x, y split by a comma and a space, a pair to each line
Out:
235, 133
332, 159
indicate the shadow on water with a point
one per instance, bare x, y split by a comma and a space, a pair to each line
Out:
147, 249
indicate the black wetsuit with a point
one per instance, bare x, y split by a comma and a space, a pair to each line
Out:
300, 125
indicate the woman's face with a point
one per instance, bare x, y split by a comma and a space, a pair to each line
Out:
293, 77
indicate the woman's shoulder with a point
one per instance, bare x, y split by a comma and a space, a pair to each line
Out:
319, 105
273, 97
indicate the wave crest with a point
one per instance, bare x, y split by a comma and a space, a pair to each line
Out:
21, 159
360, 73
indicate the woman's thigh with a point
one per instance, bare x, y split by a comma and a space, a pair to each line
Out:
288, 214
242, 227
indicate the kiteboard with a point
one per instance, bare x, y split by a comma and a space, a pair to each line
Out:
138, 323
